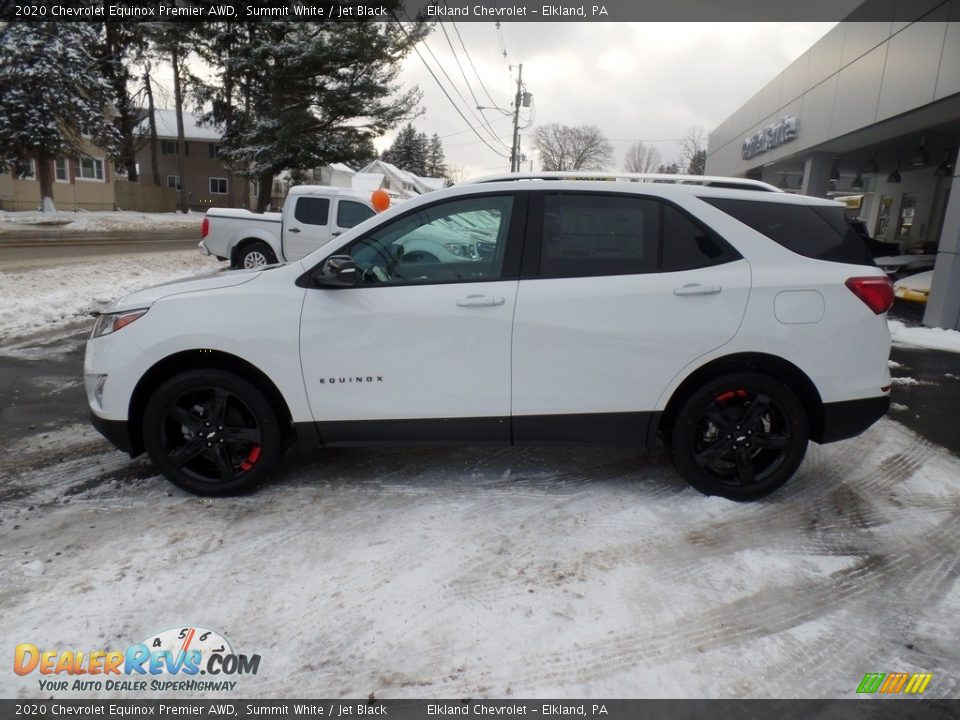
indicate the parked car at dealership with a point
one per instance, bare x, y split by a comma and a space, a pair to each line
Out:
312, 216
726, 319
914, 288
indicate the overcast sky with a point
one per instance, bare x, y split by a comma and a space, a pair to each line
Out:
636, 81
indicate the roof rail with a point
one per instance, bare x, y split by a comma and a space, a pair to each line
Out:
591, 175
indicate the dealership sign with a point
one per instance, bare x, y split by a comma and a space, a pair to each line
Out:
770, 137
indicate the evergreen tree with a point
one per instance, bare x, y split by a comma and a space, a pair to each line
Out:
51, 94
671, 169
698, 163
313, 93
435, 158
122, 41
409, 151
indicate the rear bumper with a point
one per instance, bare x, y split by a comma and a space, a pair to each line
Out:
116, 431
847, 419
202, 247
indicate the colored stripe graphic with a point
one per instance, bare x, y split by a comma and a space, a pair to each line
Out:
892, 683
918, 683
871, 682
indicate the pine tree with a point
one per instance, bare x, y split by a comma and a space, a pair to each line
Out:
409, 151
315, 93
51, 94
435, 159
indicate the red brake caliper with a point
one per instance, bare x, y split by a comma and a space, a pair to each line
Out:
729, 395
251, 458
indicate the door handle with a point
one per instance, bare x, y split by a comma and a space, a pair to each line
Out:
480, 301
294, 230
335, 233
697, 289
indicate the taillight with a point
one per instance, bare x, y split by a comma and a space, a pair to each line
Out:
204, 227
876, 292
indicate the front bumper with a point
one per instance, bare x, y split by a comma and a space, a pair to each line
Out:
847, 419
117, 432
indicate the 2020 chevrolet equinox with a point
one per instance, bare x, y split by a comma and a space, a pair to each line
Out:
731, 321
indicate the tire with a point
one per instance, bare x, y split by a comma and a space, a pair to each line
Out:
256, 254
740, 436
243, 440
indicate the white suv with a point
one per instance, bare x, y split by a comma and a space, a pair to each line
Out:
730, 320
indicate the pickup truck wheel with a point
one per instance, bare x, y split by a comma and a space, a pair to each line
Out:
256, 254
211, 432
741, 436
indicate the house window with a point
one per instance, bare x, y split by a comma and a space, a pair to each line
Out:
168, 147
26, 169
218, 186
60, 173
89, 168
214, 150
173, 181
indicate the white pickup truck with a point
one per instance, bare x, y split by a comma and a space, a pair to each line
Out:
312, 216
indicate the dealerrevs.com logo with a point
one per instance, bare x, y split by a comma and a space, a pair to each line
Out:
172, 660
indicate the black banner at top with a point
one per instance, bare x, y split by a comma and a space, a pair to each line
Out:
477, 10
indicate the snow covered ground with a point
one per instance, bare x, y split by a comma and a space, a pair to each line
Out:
53, 297
90, 221
472, 572
922, 337
497, 572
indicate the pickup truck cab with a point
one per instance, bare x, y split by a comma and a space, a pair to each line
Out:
312, 216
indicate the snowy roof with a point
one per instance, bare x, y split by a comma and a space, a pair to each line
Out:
367, 181
433, 183
167, 126
340, 167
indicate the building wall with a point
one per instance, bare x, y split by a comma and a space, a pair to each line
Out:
199, 167
71, 194
858, 74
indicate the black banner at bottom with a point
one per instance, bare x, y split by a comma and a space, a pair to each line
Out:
858, 709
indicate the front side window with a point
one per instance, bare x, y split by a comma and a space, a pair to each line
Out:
351, 213
461, 240
312, 211
218, 186
589, 235
90, 168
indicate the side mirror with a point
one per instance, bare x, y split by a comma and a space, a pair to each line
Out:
337, 271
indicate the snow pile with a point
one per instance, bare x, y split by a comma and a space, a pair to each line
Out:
930, 338
106, 221
51, 297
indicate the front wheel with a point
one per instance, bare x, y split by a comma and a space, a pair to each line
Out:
740, 436
211, 432
255, 255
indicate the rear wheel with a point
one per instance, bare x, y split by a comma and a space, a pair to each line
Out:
211, 432
741, 436
256, 254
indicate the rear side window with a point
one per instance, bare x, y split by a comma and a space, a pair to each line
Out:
589, 235
687, 245
822, 233
312, 211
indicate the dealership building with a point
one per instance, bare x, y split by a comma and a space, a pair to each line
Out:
869, 115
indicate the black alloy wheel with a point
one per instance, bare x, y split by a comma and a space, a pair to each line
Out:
741, 436
211, 432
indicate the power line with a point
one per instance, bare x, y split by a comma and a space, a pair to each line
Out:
470, 60
467, 82
443, 89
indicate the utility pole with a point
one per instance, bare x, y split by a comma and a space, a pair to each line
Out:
515, 151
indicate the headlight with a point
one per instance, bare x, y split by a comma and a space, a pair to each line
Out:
111, 322
464, 250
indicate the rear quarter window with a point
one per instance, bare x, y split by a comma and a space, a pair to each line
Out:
818, 232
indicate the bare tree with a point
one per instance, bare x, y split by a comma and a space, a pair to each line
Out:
693, 151
641, 158
562, 147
